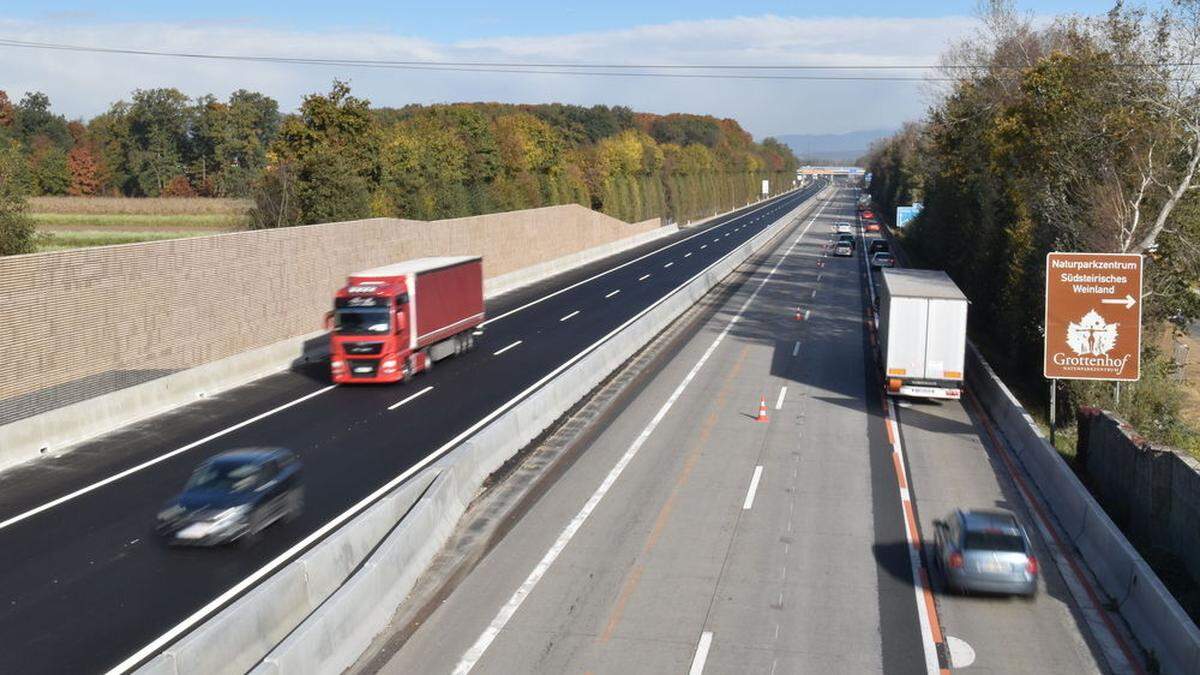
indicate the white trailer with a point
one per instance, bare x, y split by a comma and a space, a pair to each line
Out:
922, 333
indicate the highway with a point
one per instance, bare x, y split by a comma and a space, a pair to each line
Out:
689, 537
83, 581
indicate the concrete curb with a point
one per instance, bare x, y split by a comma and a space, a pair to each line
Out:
303, 636
1154, 616
59, 429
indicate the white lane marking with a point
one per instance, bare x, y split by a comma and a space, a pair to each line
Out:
612, 294
406, 400
701, 653
961, 653
914, 554
568, 316
749, 502
806, 313
688, 254
703, 246
668, 265
478, 332
716, 240
814, 293
630, 262
161, 458
506, 612
644, 277
500, 351
819, 275
779, 401
796, 349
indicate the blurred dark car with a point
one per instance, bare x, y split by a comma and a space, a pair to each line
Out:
233, 497
878, 245
986, 551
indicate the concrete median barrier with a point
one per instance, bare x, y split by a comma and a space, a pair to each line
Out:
1153, 615
311, 633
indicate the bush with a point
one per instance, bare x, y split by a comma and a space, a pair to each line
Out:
18, 234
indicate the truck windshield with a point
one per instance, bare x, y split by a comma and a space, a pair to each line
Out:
362, 320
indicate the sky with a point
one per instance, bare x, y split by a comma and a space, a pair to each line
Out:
748, 32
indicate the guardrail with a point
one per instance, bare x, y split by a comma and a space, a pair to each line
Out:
300, 621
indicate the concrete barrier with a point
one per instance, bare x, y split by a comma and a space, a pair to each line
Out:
338, 627
1154, 616
59, 429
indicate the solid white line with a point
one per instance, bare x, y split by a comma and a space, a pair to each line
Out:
612, 293
796, 349
668, 265
644, 277
753, 488
477, 650
914, 554
701, 653
569, 316
402, 402
498, 352
779, 401
161, 458
630, 262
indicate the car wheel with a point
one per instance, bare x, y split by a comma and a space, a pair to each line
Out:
295, 505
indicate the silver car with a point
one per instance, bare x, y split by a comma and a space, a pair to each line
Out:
842, 228
986, 551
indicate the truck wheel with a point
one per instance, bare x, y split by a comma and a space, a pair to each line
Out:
406, 373
428, 360
470, 341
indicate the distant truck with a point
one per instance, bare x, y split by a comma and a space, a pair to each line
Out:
922, 333
390, 323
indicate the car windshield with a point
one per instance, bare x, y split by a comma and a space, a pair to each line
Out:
361, 320
986, 540
224, 477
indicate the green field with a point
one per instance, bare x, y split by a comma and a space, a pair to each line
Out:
78, 222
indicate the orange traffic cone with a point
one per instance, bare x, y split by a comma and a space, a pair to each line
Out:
762, 410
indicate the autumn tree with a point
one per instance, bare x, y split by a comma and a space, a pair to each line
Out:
86, 172
17, 230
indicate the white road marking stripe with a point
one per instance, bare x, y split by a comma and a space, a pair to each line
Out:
624, 264
161, 458
612, 293
688, 254
796, 349
753, 488
668, 265
779, 401
703, 246
477, 650
644, 277
806, 313
498, 352
569, 316
814, 293
701, 653
402, 402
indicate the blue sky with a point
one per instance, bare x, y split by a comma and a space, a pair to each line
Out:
458, 20
751, 32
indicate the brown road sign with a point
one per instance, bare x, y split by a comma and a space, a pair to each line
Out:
1093, 316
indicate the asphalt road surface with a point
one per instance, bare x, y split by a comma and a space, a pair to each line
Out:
83, 581
691, 537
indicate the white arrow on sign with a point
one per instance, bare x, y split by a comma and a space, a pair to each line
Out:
1128, 301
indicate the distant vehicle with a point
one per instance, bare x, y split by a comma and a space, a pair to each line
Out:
390, 323
922, 333
871, 226
878, 245
843, 246
233, 497
883, 259
986, 551
868, 215
842, 228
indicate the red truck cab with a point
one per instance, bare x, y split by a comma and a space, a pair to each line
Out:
390, 323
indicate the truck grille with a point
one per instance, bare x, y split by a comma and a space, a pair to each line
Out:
363, 367
362, 348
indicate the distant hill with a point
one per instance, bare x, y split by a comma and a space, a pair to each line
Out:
845, 147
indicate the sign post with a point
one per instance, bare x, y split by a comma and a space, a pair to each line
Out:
1093, 328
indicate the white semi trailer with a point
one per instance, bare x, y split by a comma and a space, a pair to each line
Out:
922, 333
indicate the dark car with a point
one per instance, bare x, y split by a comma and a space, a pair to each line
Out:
986, 551
233, 497
878, 245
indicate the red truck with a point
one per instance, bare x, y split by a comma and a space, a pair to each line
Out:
390, 323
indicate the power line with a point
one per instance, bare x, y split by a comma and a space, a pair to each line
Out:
566, 68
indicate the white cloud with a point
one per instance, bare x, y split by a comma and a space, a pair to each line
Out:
83, 84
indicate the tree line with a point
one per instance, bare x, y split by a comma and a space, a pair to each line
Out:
1079, 135
339, 158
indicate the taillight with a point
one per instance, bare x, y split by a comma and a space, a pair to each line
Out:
1032, 565
956, 560
894, 384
